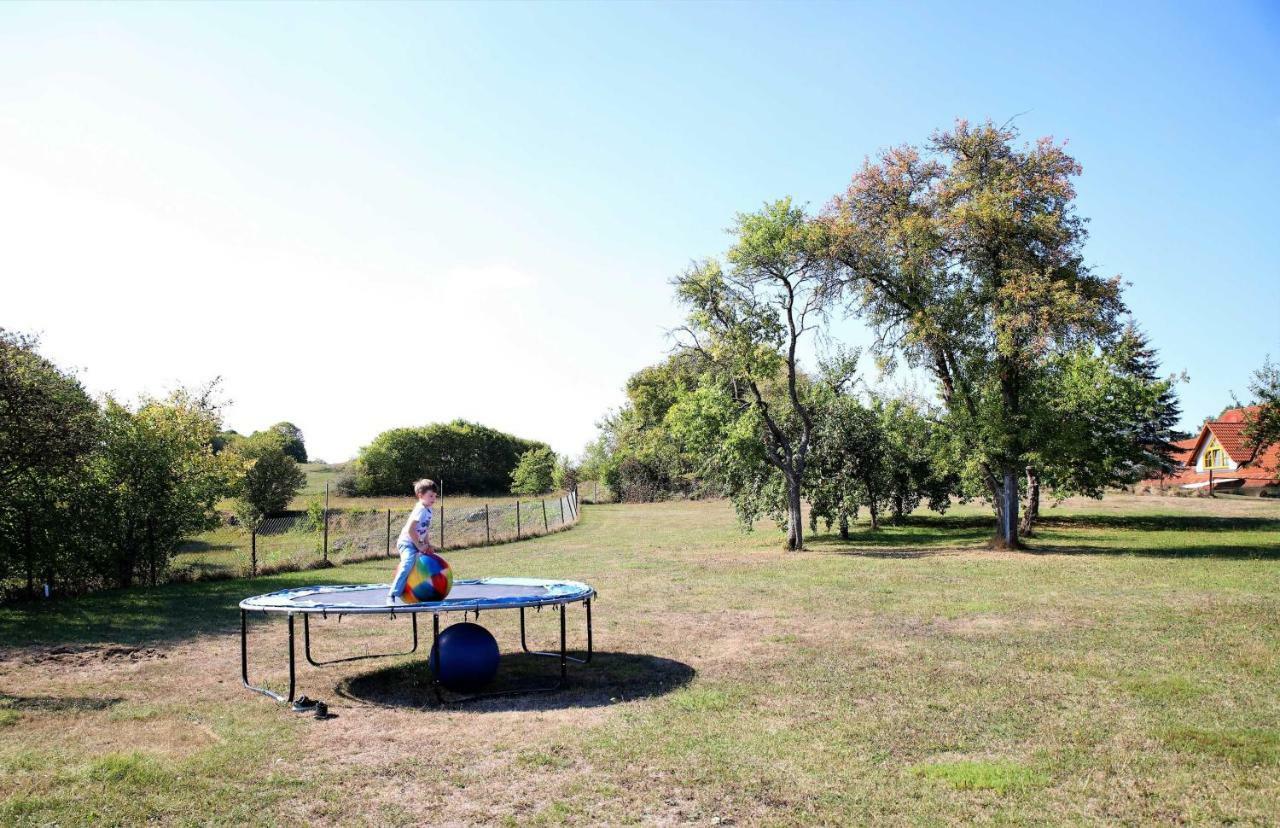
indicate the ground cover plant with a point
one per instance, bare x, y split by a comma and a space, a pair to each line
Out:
1125, 670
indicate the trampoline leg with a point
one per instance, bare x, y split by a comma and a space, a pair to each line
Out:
244, 661
306, 645
563, 655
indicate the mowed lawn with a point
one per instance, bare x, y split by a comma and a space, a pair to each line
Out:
1125, 671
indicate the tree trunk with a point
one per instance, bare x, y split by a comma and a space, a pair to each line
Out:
795, 526
1008, 512
897, 508
30, 551
844, 525
1032, 513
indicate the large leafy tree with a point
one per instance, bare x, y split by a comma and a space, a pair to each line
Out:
294, 445
1263, 426
747, 320
153, 482
48, 427
271, 475
465, 456
968, 263
535, 473
1099, 418
637, 454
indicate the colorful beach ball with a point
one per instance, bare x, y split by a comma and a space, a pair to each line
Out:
429, 580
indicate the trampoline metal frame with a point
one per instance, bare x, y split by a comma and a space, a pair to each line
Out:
562, 654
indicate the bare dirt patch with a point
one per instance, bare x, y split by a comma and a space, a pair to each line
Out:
89, 655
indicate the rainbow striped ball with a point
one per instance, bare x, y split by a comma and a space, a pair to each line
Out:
429, 580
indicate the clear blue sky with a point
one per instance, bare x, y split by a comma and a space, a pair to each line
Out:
373, 215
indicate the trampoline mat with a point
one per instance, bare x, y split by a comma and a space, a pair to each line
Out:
467, 594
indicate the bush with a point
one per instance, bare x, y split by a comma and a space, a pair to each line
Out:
466, 457
534, 474
345, 483
271, 476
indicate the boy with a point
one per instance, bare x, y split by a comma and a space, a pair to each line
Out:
414, 537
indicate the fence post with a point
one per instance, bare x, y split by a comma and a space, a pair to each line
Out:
326, 522
486, 524
561, 502
388, 533
545, 526
517, 518
440, 486
253, 552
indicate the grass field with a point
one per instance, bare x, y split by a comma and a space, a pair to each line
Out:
1127, 670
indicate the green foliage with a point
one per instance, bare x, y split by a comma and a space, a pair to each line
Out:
981, 775
153, 482
534, 474
48, 427
294, 446
1097, 418
1263, 427
746, 323
467, 457
223, 439
564, 476
271, 476
969, 265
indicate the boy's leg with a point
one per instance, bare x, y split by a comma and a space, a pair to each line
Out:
407, 555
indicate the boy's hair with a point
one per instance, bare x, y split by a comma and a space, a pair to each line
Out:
423, 486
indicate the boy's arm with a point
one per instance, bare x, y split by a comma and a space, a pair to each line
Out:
420, 541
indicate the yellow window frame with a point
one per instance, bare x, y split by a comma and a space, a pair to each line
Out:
1214, 456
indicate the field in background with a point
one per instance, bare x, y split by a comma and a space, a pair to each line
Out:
361, 528
1124, 671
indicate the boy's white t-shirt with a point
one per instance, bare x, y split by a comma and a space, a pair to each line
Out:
421, 515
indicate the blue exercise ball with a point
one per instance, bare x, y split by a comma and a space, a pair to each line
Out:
464, 657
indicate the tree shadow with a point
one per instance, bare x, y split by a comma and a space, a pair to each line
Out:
56, 704
139, 615
914, 536
609, 678
1163, 523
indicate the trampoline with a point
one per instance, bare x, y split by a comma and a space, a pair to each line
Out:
467, 596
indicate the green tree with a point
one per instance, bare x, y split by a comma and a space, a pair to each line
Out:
969, 265
465, 456
1262, 427
48, 428
534, 474
223, 439
153, 482
294, 445
1099, 418
565, 475
271, 476
746, 322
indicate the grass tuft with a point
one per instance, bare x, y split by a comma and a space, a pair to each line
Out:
975, 775
1249, 747
126, 768
701, 700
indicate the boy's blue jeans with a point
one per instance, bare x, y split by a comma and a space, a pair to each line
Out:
408, 554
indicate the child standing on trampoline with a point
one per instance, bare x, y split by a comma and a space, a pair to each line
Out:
414, 537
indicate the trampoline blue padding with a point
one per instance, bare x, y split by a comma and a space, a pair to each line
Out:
467, 595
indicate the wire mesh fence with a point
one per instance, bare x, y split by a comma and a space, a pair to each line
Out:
299, 541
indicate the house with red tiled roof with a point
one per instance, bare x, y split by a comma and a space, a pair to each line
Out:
1222, 459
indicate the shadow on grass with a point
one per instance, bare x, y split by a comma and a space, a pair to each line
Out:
56, 704
609, 678
1162, 523
1154, 535
163, 614
915, 536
